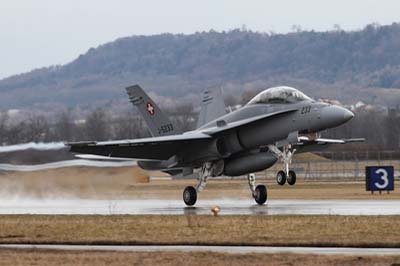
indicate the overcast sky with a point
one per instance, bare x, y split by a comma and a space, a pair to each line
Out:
38, 33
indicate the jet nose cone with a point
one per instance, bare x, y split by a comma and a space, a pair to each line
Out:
347, 115
334, 116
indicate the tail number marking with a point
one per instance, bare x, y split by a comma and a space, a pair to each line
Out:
165, 129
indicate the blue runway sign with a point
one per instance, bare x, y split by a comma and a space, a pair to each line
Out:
379, 178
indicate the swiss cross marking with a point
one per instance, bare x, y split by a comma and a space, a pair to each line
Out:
150, 108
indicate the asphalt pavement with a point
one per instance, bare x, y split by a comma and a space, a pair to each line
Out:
177, 207
221, 249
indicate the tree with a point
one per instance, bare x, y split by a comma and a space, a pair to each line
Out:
128, 126
183, 117
3, 127
37, 128
64, 127
97, 125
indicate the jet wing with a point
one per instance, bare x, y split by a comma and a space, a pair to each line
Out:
222, 126
157, 148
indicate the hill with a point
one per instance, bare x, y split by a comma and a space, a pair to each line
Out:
349, 66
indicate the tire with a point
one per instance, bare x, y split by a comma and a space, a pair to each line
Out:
260, 194
281, 178
291, 179
190, 196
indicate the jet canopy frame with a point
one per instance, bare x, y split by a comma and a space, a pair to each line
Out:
279, 95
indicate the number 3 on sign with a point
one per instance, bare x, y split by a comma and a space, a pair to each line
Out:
384, 177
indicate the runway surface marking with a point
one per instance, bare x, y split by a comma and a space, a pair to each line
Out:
222, 249
176, 207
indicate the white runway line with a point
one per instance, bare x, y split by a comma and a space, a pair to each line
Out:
220, 249
203, 207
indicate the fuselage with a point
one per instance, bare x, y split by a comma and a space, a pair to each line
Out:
290, 116
307, 117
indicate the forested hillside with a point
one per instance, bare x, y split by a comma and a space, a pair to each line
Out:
349, 66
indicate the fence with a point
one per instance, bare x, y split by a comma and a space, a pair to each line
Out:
341, 166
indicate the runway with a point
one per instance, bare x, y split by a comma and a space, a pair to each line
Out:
221, 249
177, 207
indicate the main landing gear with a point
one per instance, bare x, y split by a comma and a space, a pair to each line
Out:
190, 196
211, 169
208, 169
285, 156
259, 192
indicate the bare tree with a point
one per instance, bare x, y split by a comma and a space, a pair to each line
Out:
128, 126
64, 127
16, 133
97, 126
184, 117
37, 128
3, 127
392, 128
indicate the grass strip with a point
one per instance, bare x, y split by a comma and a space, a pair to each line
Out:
281, 230
109, 258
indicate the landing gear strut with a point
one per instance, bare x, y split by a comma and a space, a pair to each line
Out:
260, 192
285, 156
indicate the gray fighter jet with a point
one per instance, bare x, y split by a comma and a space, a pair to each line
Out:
272, 126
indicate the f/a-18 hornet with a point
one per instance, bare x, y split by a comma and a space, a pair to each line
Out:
272, 126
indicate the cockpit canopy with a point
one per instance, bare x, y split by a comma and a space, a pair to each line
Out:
279, 95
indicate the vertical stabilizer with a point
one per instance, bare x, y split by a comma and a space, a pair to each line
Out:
158, 123
212, 106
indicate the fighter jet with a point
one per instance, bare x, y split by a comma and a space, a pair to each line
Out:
271, 127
